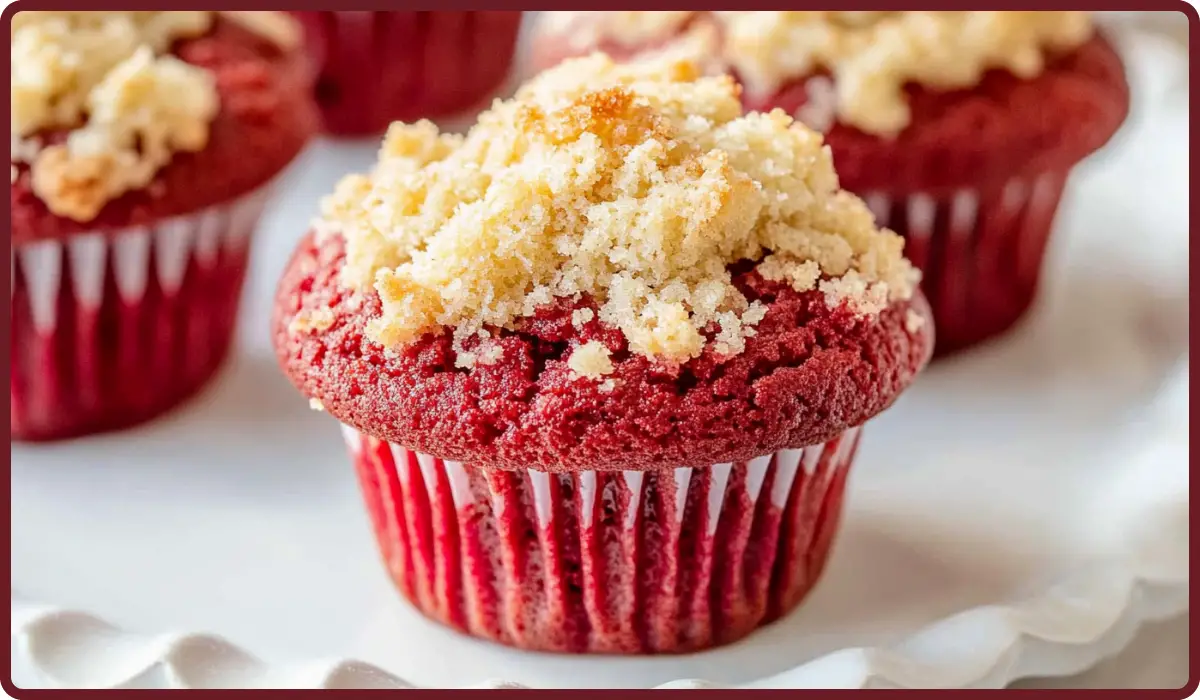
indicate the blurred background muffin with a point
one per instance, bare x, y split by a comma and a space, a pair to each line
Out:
960, 129
380, 67
142, 145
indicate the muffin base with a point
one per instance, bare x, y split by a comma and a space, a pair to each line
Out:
380, 67
112, 328
604, 562
980, 251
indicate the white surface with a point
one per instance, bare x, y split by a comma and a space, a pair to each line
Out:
1156, 658
1023, 507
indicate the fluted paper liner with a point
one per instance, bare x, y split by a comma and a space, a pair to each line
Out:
980, 250
621, 562
110, 328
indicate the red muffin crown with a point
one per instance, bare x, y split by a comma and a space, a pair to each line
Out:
615, 270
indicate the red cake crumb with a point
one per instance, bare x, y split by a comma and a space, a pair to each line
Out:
809, 373
265, 119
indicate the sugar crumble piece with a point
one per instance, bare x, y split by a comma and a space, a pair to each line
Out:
475, 347
489, 354
913, 321
312, 321
316, 405
860, 295
799, 275
581, 317
819, 110
590, 360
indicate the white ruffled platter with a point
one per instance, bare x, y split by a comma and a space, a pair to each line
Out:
1020, 512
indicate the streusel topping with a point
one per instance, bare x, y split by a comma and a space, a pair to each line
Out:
870, 54
635, 186
108, 78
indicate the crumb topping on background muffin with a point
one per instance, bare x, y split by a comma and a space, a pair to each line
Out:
127, 105
870, 54
635, 186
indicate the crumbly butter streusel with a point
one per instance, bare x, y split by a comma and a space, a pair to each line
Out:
107, 77
871, 55
590, 360
913, 321
635, 185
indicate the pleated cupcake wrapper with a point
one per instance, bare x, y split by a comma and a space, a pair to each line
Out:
981, 251
111, 327
379, 67
610, 562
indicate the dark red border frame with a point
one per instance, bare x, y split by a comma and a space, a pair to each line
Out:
1097, 5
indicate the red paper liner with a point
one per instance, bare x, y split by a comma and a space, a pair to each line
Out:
112, 328
380, 67
605, 562
980, 251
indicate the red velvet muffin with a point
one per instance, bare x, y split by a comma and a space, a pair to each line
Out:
602, 363
958, 128
376, 67
142, 147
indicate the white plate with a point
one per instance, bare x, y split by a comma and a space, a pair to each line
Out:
1018, 513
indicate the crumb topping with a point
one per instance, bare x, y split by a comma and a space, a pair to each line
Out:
128, 105
313, 321
870, 54
590, 360
636, 186
913, 321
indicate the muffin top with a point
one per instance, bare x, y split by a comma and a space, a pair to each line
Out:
870, 55
103, 103
615, 269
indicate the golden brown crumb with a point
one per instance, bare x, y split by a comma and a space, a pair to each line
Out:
590, 360
314, 321
634, 185
871, 54
859, 293
73, 187
485, 352
490, 354
107, 77
581, 317
913, 321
